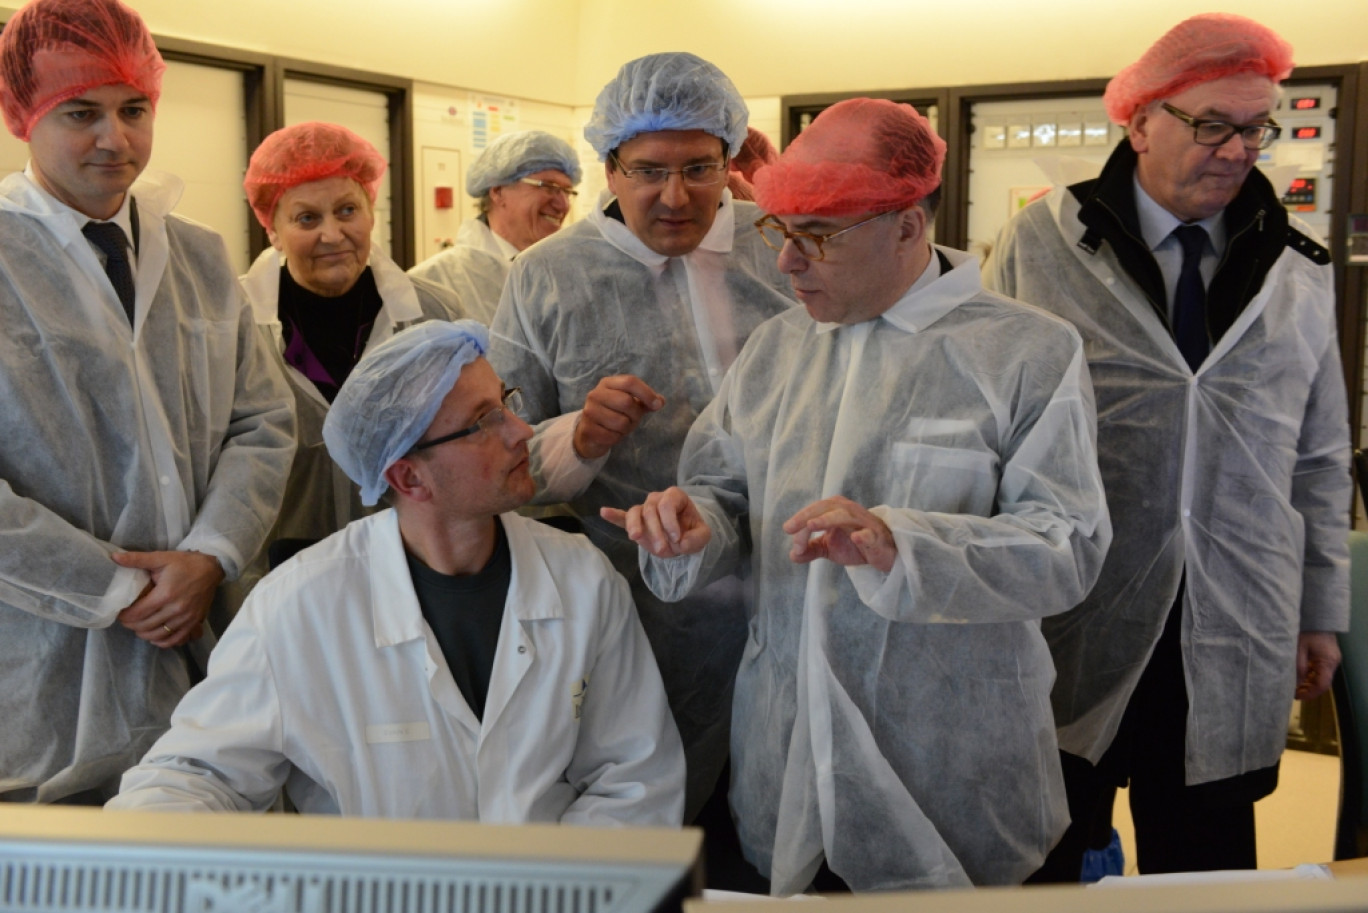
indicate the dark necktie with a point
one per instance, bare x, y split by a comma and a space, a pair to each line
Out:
1189, 299
111, 239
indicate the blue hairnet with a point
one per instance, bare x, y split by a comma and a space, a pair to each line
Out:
673, 91
393, 395
516, 155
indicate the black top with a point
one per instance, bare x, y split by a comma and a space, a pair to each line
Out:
326, 337
465, 614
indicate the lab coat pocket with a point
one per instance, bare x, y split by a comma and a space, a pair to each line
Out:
398, 761
945, 479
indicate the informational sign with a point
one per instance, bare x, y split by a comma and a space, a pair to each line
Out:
491, 116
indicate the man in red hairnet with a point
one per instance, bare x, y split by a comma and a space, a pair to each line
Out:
910, 468
1223, 442
147, 431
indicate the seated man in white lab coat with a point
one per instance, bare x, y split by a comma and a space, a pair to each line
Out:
911, 469
443, 659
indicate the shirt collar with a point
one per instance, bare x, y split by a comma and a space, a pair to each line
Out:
720, 238
122, 218
1157, 223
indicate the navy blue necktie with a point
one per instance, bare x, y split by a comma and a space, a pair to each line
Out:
1189, 299
111, 239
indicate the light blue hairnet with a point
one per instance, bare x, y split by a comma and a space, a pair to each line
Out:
675, 91
392, 396
516, 155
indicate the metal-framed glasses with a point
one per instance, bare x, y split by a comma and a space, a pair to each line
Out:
809, 245
556, 189
490, 421
699, 174
1218, 132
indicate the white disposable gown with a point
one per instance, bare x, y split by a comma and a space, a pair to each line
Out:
175, 433
475, 268
899, 725
1238, 473
592, 301
319, 498
330, 684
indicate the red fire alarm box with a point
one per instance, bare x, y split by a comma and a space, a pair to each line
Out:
445, 198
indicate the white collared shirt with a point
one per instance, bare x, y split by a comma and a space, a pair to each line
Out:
123, 218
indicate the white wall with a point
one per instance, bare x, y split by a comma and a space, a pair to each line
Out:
779, 47
514, 47
563, 51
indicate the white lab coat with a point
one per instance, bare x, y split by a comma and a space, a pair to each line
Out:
319, 498
176, 433
1236, 476
592, 301
330, 683
475, 268
899, 725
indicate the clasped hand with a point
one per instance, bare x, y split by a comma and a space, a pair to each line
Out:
172, 608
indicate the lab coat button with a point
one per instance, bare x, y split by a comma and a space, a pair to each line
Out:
165, 480
522, 649
1186, 512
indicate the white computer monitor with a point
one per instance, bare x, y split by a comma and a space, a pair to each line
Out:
68, 859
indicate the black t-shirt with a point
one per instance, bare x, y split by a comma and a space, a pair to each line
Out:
465, 614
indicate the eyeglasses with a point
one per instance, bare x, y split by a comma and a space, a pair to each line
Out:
703, 174
557, 190
491, 420
809, 245
1218, 132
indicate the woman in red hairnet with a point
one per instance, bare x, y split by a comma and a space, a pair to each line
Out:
324, 295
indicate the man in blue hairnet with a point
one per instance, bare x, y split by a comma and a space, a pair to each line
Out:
619, 329
523, 185
443, 659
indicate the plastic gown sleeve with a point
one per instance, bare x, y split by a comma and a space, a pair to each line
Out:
559, 472
628, 763
225, 748
92, 589
1049, 535
1321, 489
248, 481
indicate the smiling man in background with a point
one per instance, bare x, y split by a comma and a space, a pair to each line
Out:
524, 186
147, 431
1223, 439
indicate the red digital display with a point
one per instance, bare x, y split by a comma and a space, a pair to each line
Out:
1305, 104
1306, 132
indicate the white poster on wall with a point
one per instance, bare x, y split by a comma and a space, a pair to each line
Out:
491, 116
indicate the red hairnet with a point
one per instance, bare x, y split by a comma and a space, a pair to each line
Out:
1197, 50
303, 153
756, 152
54, 50
740, 188
860, 155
